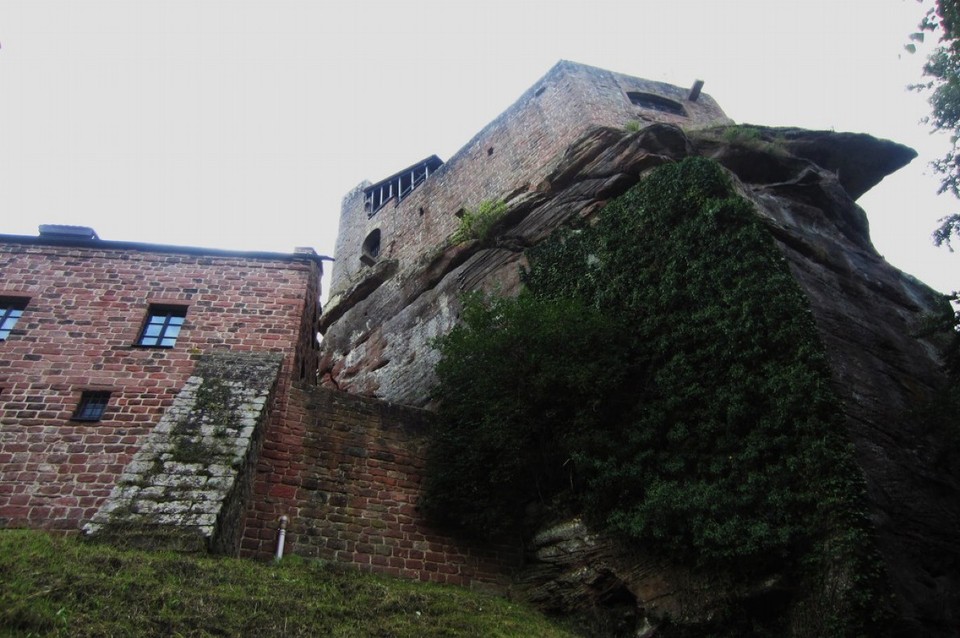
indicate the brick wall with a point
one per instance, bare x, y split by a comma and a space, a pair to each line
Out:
506, 157
346, 471
86, 307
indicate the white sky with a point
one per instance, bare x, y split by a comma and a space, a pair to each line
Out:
240, 124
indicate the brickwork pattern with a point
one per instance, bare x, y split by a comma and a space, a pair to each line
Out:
182, 489
347, 472
78, 332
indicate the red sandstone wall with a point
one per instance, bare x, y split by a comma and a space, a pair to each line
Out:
78, 333
346, 471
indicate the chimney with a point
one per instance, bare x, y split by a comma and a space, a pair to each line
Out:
695, 91
60, 231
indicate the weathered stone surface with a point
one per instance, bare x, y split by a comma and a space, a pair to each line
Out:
574, 570
185, 487
857, 160
420, 303
868, 314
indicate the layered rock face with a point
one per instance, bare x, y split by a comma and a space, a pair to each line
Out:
803, 184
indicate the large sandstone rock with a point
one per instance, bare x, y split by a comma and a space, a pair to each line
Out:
619, 590
803, 184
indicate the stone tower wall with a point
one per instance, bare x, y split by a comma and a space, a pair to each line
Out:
503, 160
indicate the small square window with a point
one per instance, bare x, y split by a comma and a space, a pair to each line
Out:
162, 327
92, 406
11, 308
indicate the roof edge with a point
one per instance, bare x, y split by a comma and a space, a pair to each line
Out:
103, 244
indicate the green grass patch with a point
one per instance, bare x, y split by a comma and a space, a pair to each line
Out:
56, 586
751, 137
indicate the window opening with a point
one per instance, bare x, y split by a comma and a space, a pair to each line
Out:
399, 185
371, 248
92, 406
656, 103
163, 326
11, 309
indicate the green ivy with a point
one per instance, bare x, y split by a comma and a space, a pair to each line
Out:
662, 372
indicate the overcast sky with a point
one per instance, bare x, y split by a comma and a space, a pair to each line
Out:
241, 124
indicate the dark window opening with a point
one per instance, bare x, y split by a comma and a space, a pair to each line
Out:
61, 231
11, 309
489, 151
162, 327
398, 186
371, 248
92, 406
656, 103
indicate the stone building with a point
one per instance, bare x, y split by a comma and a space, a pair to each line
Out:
403, 216
396, 226
100, 340
164, 396
578, 138
169, 395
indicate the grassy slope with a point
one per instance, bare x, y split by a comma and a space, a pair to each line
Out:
54, 586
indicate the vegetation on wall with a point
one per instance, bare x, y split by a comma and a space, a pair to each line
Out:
476, 223
662, 373
750, 137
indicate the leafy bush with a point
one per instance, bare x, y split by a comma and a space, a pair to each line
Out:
476, 223
662, 370
514, 405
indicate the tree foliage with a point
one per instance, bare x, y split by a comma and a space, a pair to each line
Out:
662, 371
943, 72
943, 81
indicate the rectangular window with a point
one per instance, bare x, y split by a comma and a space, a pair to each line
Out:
11, 308
163, 326
92, 406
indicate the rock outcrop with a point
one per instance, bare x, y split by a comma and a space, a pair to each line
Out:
803, 185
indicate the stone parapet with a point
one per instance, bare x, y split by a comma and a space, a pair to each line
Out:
185, 486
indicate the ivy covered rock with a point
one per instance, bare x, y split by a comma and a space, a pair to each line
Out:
661, 373
872, 351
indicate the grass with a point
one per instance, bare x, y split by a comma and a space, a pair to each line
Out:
57, 586
752, 137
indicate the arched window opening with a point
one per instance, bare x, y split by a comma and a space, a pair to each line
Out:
371, 248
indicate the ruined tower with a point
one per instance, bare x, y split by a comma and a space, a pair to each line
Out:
403, 216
